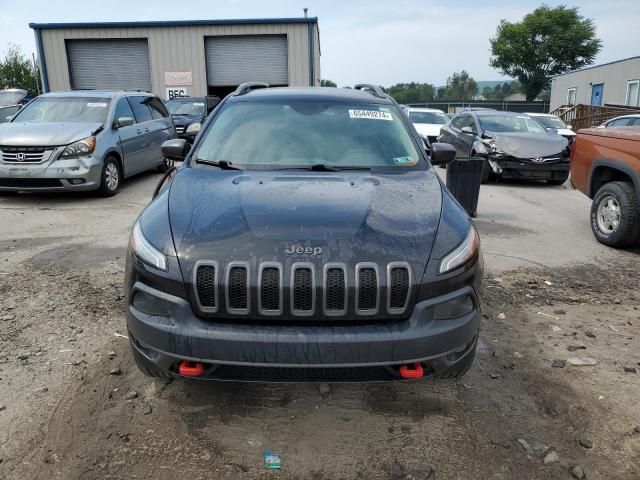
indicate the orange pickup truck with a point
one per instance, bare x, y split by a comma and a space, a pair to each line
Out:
605, 166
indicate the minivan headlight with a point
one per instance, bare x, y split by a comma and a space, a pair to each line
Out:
145, 251
194, 127
462, 253
81, 148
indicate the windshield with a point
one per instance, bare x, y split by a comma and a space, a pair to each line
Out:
65, 109
304, 134
7, 112
181, 107
551, 122
11, 98
510, 124
437, 118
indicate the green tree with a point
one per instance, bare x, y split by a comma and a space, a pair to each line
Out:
460, 86
328, 83
547, 42
17, 71
488, 93
412, 92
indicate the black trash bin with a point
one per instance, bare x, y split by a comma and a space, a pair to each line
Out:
463, 181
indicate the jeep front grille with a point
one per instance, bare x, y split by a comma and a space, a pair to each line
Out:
303, 289
398, 286
237, 291
367, 290
270, 289
338, 291
207, 286
335, 290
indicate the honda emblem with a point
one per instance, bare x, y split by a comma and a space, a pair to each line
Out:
20, 157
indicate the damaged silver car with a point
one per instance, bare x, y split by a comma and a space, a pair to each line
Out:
514, 145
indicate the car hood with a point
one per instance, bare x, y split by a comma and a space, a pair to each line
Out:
183, 120
528, 145
428, 129
255, 216
44, 134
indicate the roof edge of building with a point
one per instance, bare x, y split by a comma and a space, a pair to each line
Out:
596, 66
175, 23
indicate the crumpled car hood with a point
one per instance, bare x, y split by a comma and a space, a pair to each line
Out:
528, 145
44, 134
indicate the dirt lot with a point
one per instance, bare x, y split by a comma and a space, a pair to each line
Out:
73, 405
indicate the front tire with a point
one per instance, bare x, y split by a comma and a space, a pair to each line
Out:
487, 173
111, 178
615, 215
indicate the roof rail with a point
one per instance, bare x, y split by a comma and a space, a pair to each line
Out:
375, 90
245, 88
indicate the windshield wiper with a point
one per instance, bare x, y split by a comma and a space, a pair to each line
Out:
321, 167
222, 164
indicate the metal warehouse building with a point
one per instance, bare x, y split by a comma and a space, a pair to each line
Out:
614, 83
195, 58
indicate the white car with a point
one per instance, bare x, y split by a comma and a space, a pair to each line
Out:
427, 122
550, 121
623, 121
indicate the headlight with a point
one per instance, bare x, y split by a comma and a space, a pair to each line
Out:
490, 144
145, 251
462, 253
193, 128
81, 148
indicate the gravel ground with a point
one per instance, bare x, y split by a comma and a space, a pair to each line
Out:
74, 406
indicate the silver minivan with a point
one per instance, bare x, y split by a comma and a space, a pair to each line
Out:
83, 140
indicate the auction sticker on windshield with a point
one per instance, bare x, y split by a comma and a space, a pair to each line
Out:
370, 114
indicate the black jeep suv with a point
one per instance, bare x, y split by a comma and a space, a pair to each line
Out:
306, 237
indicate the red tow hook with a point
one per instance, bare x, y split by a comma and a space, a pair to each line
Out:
191, 369
412, 371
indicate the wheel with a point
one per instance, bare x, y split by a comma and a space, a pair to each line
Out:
487, 173
558, 181
110, 179
147, 367
166, 164
615, 215
462, 367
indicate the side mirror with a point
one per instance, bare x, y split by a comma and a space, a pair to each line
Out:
123, 122
569, 127
442, 153
552, 131
175, 149
467, 130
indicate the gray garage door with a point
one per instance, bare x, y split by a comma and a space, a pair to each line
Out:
109, 64
252, 58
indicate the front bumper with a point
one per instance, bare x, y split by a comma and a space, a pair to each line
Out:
529, 170
51, 175
179, 335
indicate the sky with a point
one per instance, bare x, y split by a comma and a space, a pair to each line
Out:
376, 41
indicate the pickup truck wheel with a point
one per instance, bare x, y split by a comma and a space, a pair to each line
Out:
615, 215
111, 178
460, 368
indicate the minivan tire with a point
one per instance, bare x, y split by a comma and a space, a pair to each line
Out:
612, 195
111, 178
166, 164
